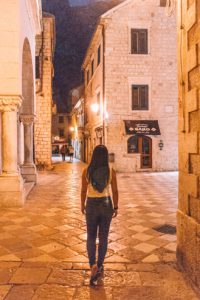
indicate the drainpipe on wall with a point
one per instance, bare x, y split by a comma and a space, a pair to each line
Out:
104, 131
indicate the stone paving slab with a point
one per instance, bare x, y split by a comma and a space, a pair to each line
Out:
43, 245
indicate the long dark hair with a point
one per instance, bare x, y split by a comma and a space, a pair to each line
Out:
98, 172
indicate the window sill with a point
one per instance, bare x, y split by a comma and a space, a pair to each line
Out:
131, 155
140, 110
139, 54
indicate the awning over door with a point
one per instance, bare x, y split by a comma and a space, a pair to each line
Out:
146, 127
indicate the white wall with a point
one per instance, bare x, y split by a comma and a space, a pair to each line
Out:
15, 26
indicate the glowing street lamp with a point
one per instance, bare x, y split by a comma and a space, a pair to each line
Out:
95, 107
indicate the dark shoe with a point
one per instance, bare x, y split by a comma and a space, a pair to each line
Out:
100, 272
97, 277
93, 276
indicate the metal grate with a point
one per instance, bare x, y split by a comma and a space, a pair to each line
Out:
166, 228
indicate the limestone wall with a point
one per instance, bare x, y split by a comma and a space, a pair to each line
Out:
94, 87
157, 69
188, 251
42, 129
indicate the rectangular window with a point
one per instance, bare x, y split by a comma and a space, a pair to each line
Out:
88, 76
140, 97
61, 119
37, 67
99, 103
99, 55
92, 67
139, 41
61, 133
163, 3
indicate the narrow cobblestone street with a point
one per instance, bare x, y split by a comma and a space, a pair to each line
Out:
43, 245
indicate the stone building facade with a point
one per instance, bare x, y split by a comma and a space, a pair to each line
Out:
60, 126
131, 87
77, 129
20, 22
188, 224
45, 46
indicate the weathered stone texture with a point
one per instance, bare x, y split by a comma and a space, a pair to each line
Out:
42, 130
188, 250
157, 69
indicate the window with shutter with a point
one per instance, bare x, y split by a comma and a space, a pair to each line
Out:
139, 41
133, 145
140, 97
88, 76
135, 97
92, 67
163, 3
99, 55
61, 119
98, 102
37, 67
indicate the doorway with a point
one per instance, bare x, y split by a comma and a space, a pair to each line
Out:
143, 146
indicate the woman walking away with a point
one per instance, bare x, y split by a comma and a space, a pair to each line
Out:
96, 182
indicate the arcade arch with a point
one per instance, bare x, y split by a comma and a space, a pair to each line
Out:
26, 117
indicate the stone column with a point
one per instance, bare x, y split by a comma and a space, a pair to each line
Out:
11, 182
9, 143
188, 214
28, 169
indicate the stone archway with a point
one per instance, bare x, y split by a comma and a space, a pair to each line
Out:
26, 117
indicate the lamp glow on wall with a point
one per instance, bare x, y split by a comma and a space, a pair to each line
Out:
106, 115
95, 107
72, 129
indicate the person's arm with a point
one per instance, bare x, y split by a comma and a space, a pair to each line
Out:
115, 192
83, 191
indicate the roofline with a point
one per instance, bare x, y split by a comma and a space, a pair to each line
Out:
52, 17
100, 23
115, 8
98, 27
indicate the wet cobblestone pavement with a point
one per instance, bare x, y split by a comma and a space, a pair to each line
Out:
43, 245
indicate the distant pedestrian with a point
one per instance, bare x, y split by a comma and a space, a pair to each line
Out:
99, 209
63, 152
66, 150
71, 153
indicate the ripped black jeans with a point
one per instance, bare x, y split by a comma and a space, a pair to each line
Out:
99, 213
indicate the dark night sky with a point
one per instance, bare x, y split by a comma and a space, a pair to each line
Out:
74, 27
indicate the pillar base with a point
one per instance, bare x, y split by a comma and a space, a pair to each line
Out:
11, 190
29, 173
188, 246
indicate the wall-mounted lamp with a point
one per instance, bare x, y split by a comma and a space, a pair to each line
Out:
161, 145
95, 107
72, 129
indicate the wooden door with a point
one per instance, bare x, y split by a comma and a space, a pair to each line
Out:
145, 149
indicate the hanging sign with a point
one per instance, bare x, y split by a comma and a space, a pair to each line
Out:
146, 127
